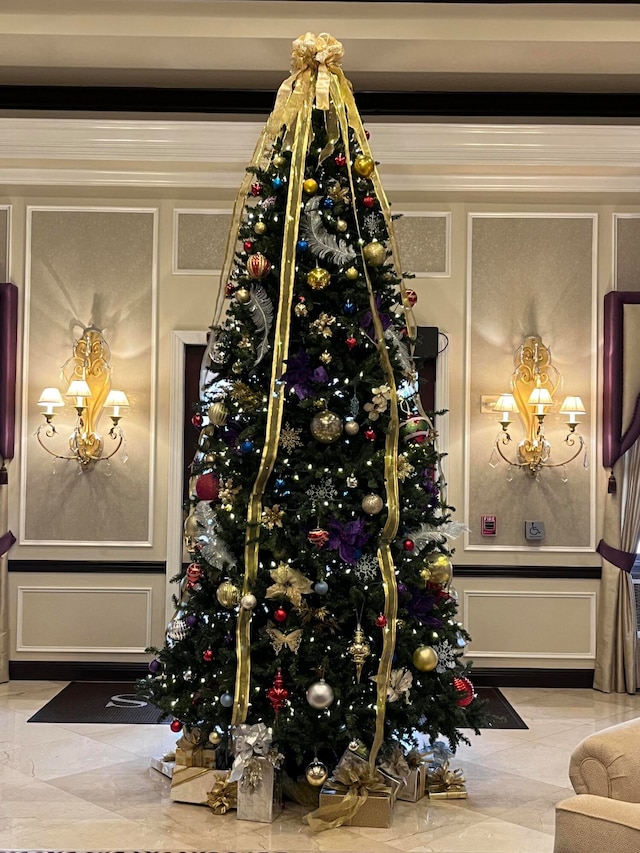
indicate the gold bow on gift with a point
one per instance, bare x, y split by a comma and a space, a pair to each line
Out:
415, 758
223, 796
443, 780
289, 583
353, 780
395, 763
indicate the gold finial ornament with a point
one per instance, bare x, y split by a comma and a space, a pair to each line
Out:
359, 650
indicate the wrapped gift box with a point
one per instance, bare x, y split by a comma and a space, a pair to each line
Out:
415, 785
262, 803
192, 784
447, 795
375, 810
196, 756
361, 756
163, 765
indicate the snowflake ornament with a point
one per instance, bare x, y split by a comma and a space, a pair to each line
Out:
371, 224
366, 568
446, 656
323, 491
290, 438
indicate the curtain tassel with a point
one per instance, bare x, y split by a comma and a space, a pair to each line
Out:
612, 486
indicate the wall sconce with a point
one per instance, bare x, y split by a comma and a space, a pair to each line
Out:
533, 384
87, 378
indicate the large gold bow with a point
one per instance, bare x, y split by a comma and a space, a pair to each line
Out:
442, 779
223, 796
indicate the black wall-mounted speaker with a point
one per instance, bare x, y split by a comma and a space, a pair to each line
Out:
426, 343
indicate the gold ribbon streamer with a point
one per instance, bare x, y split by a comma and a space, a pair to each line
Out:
276, 404
343, 98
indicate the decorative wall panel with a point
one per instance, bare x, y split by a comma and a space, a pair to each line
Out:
89, 266
530, 275
424, 243
4, 243
627, 251
530, 624
81, 619
199, 241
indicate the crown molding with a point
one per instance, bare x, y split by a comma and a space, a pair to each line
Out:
414, 156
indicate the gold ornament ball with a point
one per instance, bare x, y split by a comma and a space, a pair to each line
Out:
440, 569
425, 658
278, 160
425, 574
341, 225
211, 458
372, 504
364, 165
318, 278
316, 773
236, 367
214, 738
352, 427
351, 273
300, 310
243, 295
260, 227
326, 357
326, 427
310, 186
374, 254
191, 526
217, 413
227, 594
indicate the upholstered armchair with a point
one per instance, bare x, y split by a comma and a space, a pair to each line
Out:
605, 813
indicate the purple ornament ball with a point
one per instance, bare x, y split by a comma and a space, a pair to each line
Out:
191, 620
155, 666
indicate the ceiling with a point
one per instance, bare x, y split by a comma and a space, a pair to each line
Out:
440, 47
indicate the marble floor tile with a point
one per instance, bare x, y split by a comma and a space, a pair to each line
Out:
89, 786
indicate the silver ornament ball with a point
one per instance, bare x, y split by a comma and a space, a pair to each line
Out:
316, 773
248, 602
372, 504
320, 694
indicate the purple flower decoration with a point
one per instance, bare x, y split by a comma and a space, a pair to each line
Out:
300, 376
366, 323
348, 539
421, 606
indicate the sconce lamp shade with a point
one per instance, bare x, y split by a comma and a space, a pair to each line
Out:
573, 406
51, 398
540, 397
78, 389
116, 400
505, 403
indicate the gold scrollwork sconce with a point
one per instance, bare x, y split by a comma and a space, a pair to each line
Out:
533, 383
87, 378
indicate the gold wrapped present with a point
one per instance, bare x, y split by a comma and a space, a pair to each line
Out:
163, 764
415, 785
259, 791
354, 796
409, 770
445, 784
193, 784
393, 780
191, 751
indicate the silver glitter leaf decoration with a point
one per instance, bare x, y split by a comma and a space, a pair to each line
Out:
261, 310
321, 242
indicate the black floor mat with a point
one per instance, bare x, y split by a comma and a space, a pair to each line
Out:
98, 702
116, 702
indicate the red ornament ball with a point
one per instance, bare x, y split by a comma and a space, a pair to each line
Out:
370, 434
258, 266
368, 201
408, 544
196, 420
411, 297
207, 655
318, 537
340, 160
351, 342
175, 726
465, 691
194, 574
228, 290
207, 487
247, 245
256, 188
381, 621
367, 134
280, 615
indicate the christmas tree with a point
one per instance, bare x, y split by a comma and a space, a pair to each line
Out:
318, 597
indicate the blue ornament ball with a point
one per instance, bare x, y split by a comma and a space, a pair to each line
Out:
303, 245
327, 203
276, 183
155, 666
246, 446
279, 483
349, 307
321, 588
226, 700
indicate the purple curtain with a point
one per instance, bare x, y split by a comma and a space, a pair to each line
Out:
8, 346
614, 443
